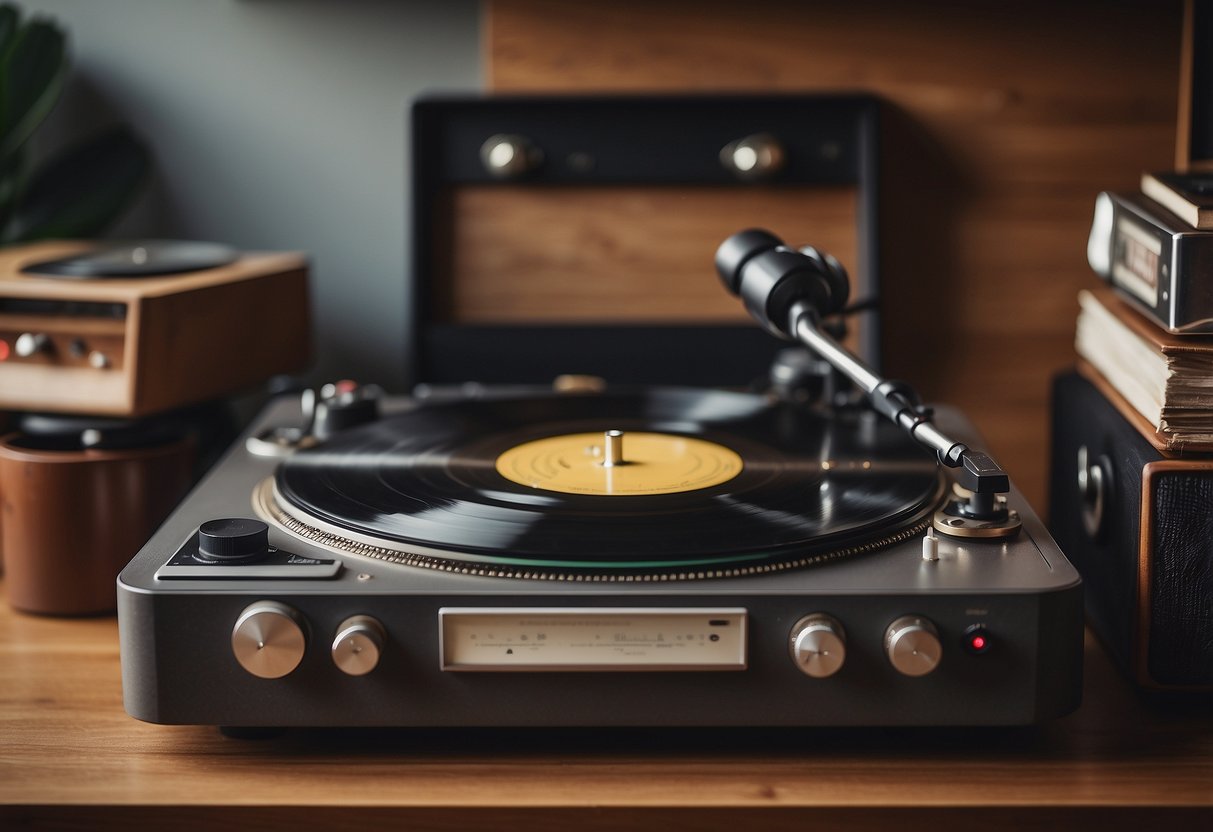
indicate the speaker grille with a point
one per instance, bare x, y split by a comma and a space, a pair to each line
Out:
1181, 580
1180, 636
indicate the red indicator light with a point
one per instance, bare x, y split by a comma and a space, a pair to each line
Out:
976, 640
3, 350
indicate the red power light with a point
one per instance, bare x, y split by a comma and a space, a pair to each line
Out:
3, 350
976, 640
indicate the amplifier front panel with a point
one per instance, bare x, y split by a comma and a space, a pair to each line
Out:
63, 356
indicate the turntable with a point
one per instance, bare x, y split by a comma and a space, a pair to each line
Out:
601, 556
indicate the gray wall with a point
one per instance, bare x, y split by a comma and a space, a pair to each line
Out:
277, 124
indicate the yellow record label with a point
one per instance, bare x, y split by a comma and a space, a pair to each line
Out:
620, 464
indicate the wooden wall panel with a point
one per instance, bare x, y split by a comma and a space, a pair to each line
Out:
1005, 121
619, 254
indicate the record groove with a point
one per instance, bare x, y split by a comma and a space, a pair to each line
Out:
423, 488
270, 510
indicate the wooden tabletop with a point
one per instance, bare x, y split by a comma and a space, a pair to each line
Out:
70, 756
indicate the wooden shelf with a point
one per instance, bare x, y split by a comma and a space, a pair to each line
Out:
70, 756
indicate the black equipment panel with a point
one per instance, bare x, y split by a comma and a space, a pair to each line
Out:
830, 140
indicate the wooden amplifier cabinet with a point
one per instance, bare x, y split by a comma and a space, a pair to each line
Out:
1139, 528
562, 234
134, 346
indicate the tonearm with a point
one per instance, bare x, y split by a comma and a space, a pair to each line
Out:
789, 292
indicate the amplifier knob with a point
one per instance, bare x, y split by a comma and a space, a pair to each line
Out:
753, 157
507, 156
358, 645
268, 639
818, 645
912, 644
29, 344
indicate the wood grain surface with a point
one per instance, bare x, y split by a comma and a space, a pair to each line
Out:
70, 756
1005, 121
618, 254
184, 338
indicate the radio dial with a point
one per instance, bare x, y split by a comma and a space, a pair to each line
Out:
98, 360
510, 156
754, 157
912, 645
29, 344
268, 639
818, 645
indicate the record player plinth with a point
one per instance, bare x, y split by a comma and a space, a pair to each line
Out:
502, 604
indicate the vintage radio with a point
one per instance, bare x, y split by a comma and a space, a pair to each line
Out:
1159, 263
139, 329
556, 232
1139, 528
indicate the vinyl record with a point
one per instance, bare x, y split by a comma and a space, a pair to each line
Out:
143, 258
704, 480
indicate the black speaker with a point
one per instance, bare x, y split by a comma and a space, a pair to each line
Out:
1139, 527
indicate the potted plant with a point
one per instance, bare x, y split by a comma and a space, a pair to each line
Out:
79, 191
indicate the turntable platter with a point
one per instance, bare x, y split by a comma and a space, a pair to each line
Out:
711, 482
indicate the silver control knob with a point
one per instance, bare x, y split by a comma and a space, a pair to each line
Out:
358, 645
819, 645
31, 343
98, 360
509, 156
268, 639
912, 645
754, 157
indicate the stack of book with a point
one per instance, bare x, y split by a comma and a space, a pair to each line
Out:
1188, 196
1159, 381
1131, 464
1162, 383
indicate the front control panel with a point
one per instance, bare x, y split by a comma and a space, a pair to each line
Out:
831, 660
291, 638
269, 638
301, 654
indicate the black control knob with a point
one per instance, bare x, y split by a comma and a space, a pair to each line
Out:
232, 539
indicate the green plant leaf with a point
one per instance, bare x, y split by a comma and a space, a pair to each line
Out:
32, 73
12, 182
10, 19
80, 192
